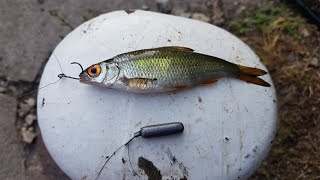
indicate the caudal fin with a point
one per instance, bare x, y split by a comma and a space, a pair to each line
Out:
249, 75
251, 71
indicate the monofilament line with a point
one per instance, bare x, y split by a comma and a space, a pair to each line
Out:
38, 89
28, 10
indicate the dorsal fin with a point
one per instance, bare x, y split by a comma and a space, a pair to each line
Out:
179, 48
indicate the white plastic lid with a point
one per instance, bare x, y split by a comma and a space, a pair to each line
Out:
229, 126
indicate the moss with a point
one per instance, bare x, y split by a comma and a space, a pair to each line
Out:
272, 17
62, 20
259, 18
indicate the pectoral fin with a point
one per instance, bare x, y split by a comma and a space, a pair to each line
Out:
138, 83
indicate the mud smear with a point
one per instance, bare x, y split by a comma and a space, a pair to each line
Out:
129, 11
182, 168
43, 102
149, 168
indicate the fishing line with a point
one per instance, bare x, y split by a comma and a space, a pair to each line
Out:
109, 157
130, 162
62, 75
151, 131
28, 10
38, 89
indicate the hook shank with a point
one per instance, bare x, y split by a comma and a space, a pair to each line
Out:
64, 76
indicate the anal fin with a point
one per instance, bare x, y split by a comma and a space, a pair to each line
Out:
209, 81
180, 87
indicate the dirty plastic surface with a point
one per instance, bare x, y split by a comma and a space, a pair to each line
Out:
229, 126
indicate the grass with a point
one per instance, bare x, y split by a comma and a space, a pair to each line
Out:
260, 18
286, 43
268, 19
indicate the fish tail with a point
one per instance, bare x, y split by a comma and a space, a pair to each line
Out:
251, 71
250, 75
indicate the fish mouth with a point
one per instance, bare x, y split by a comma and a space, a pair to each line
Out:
84, 80
84, 77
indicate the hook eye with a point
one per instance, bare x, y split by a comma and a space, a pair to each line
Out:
64, 76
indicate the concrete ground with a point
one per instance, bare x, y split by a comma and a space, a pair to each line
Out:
29, 31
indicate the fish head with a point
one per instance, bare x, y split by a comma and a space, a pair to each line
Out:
101, 74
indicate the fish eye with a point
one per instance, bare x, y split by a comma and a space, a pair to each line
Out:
94, 70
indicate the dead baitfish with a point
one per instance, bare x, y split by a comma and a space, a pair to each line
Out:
165, 69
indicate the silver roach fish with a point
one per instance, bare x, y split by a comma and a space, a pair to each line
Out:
165, 69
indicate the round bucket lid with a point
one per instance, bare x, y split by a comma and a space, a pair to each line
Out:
229, 125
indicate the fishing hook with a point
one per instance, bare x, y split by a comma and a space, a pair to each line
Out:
78, 64
62, 75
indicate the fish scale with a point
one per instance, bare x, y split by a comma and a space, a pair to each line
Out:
179, 67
